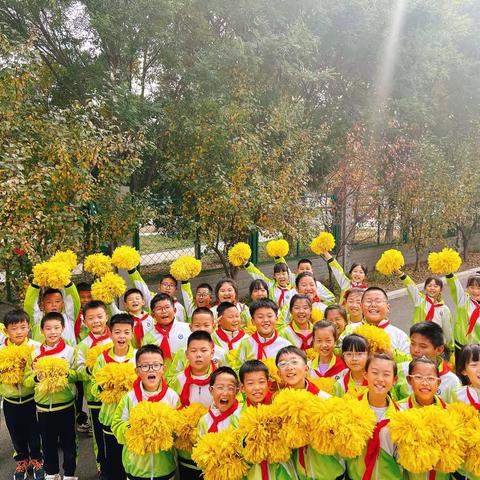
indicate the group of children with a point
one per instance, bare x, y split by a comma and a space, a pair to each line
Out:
216, 351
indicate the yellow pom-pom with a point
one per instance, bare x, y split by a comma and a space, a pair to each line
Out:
94, 352
108, 288
378, 339
249, 328
185, 268
261, 430
317, 315
125, 257
187, 426
324, 423
13, 360
272, 370
390, 261
51, 274
115, 380
296, 421
311, 354
218, 456
277, 248
324, 242
446, 261
324, 383
239, 254
67, 257
151, 429
98, 264
52, 375
233, 359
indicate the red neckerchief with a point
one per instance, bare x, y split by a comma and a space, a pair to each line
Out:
346, 380
97, 340
281, 298
310, 387
373, 447
445, 368
306, 339
138, 328
261, 346
78, 324
220, 418
473, 403
264, 468
154, 398
189, 381
229, 341
474, 316
410, 403
383, 325
165, 344
316, 299
266, 401
53, 351
431, 309
333, 370
362, 286
109, 359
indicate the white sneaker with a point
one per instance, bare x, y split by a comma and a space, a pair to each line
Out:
53, 477
70, 478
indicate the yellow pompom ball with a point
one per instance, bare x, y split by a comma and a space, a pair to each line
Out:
378, 339
239, 254
108, 288
185, 268
67, 257
324, 383
95, 352
186, 428
272, 370
115, 379
249, 328
52, 375
125, 257
446, 261
151, 429
390, 261
277, 248
98, 264
324, 242
317, 315
13, 360
51, 274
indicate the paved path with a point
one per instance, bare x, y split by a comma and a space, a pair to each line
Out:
401, 313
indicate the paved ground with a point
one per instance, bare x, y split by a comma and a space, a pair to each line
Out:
401, 313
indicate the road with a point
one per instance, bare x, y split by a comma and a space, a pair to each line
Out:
401, 313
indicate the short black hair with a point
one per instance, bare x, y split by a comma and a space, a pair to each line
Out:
256, 284
160, 297
424, 360
304, 260
375, 289
303, 275
219, 371
468, 354
321, 324
355, 343
93, 304
207, 286
430, 330
203, 311
52, 316
438, 281
222, 282
263, 303
149, 348
336, 308
300, 296
121, 318
51, 291
17, 315
280, 267
351, 291
291, 349
252, 366
474, 280
356, 264
224, 306
170, 276
382, 356
199, 335
131, 291
84, 287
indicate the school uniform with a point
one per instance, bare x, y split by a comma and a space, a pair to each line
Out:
297, 337
258, 347
336, 368
346, 383
343, 281
228, 340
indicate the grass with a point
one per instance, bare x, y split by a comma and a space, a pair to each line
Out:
157, 243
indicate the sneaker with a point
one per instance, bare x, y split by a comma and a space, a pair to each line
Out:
70, 478
37, 469
53, 477
84, 427
21, 470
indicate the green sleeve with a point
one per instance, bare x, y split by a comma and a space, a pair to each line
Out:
177, 365
71, 301
148, 338
31, 304
343, 281
120, 422
137, 281
456, 290
412, 290
29, 379
174, 384
72, 376
188, 299
81, 351
256, 274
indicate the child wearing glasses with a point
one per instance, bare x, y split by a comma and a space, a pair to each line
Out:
150, 386
292, 368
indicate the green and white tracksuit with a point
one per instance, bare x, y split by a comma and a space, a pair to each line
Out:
161, 464
343, 281
71, 301
292, 333
248, 348
466, 330
423, 304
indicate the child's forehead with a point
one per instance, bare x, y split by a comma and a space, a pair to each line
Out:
325, 332
199, 344
233, 310
424, 367
52, 296
22, 323
202, 318
225, 378
264, 311
418, 337
134, 296
51, 321
122, 327
381, 363
289, 355
150, 356
254, 374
